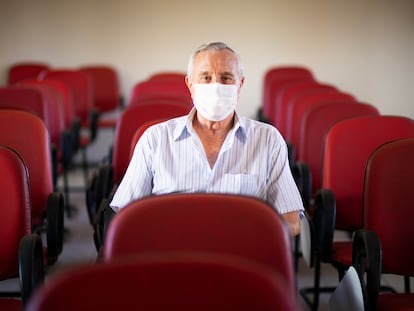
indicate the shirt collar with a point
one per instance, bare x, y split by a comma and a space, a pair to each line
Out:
185, 125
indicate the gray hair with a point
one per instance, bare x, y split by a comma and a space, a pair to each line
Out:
213, 46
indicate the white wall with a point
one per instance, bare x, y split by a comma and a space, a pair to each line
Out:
364, 47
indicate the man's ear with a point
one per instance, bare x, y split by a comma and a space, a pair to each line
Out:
189, 84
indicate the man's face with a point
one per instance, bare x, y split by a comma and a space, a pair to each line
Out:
215, 67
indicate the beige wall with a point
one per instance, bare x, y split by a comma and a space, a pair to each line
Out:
364, 47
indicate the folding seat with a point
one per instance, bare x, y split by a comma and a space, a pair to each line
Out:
21, 254
173, 76
28, 135
338, 204
178, 281
203, 222
160, 90
387, 230
109, 174
273, 79
107, 96
25, 70
80, 85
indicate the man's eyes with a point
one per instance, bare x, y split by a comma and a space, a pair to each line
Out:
222, 79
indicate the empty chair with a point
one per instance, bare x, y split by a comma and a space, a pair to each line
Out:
25, 70
338, 204
314, 123
80, 85
207, 222
21, 253
156, 282
106, 93
160, 90
43, 101
388, 209
109, 174
28, 135
273, 79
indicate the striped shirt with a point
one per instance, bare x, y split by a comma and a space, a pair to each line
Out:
169, 157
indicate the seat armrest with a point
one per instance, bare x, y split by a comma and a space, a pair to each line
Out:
303, 178
55, 225
324, 218
31, 268
367, 260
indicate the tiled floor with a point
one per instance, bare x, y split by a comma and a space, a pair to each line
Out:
79, 249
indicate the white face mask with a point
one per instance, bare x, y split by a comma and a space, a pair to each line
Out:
215, 101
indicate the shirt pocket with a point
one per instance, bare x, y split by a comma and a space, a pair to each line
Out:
244, 184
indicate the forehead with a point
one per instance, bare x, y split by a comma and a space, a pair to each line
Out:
211, 60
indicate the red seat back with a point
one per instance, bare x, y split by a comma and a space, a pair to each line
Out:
347, 147
315, 123
389, 203
28, 135
14, 211
55, 110
24, 99
140, 131
105, 84
287, 95
167, 282
275, 78
66, 98
216, 223
25, 70
149, 90
303, 101
129, 121
81, 87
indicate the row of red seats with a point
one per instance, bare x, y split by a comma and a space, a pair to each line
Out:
330, 136
43, 112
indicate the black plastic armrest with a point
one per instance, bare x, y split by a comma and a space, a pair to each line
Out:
31, 268
55, 225
324, 218
93, 123
291, 153
66, 147
367, 260
75, 134
303, 179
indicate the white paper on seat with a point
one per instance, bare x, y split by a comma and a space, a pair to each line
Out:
348, 295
